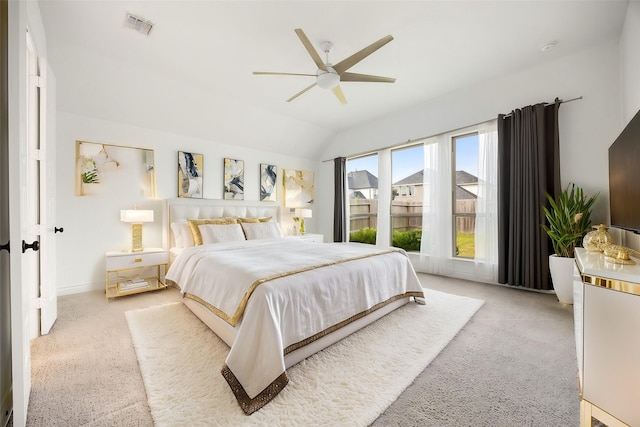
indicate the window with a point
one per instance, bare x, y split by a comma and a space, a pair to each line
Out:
407, 171
437, 200
362, 183
465, 190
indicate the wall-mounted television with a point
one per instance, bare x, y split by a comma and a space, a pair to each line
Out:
624, 177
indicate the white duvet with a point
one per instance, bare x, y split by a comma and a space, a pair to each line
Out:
285, 291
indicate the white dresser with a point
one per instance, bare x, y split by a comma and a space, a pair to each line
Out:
607, 318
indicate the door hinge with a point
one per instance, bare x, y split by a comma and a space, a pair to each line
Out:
36, 154
38, 81
38, 303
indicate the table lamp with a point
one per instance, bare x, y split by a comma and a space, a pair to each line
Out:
136, 218
302, 214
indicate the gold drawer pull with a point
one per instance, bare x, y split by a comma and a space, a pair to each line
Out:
137, 260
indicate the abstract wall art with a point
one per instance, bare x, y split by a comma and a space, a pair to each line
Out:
268, 179
298, 188
190, 168
233, 179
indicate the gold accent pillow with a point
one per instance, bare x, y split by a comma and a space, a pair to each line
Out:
195, 231
254, 220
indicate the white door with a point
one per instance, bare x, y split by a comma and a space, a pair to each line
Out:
48, 229
25, 131
39, 267
5, 283
31, 246
18, 146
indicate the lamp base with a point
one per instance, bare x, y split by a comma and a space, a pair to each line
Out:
136, 237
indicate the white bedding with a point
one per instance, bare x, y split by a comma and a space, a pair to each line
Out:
286, 293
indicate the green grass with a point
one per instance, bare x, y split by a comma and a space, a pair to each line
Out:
410, 240
466, 245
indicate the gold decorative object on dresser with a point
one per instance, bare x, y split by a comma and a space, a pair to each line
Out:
595, 240
607, 321
129, 273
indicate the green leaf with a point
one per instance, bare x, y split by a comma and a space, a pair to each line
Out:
568, 218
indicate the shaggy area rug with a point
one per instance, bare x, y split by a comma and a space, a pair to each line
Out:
350, 383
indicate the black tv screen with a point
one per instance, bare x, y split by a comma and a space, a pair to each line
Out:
624, 177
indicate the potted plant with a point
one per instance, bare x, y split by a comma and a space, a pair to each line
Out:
569, 219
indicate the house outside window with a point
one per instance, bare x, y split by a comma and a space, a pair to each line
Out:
362, 184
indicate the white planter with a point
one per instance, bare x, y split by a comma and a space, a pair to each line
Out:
561, 269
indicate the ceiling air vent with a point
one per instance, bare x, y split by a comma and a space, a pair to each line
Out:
140, 25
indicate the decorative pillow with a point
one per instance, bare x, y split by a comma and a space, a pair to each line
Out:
261, 230
254, 220
182, 234
218, 233
194, 223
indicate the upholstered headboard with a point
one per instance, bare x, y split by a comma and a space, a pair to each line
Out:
185, 208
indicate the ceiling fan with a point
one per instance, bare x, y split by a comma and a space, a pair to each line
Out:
329, 76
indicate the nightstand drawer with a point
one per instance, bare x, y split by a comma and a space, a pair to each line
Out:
133, 260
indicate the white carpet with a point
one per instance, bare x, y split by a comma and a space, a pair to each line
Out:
349, 384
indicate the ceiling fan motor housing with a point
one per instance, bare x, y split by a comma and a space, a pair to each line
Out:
327, 79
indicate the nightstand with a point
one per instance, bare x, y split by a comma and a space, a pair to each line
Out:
128, 273
318, 238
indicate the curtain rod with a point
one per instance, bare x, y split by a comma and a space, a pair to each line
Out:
411, 141
549, 103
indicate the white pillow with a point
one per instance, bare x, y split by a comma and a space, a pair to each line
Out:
218, 233
261, 230
182, 234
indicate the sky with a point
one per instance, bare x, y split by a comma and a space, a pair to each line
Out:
408, 161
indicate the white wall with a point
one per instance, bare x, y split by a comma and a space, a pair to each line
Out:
630, 88
92, 223
630, 63
587, 126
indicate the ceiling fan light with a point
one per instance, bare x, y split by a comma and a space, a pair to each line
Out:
328, 80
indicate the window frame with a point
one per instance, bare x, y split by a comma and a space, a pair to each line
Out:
454, 213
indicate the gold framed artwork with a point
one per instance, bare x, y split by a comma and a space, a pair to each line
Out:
114, 169
190, 177
298, 188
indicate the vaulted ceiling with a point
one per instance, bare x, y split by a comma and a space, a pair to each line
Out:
193, 74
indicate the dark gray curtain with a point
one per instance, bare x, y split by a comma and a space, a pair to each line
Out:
339, 211
529, 167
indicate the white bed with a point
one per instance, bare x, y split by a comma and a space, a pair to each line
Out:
302, 286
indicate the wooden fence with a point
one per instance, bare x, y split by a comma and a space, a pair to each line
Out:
405, 215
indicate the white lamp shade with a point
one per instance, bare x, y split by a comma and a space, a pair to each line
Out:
136, 215
304, 213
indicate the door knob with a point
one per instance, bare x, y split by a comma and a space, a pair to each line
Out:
56, 229
5, 247
35, 246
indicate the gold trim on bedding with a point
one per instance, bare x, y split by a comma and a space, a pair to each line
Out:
249, 405
235, 318
173, 284
306, 341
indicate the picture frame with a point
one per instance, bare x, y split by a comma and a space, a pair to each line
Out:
190, 175
233, 179
268, 180
298, 188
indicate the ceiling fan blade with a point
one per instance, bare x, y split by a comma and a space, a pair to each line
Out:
355, 77
337, 91
301, 92
270, 73
314, 54
349, 62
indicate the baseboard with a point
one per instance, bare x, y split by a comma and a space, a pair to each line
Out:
7, 407
78, 289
